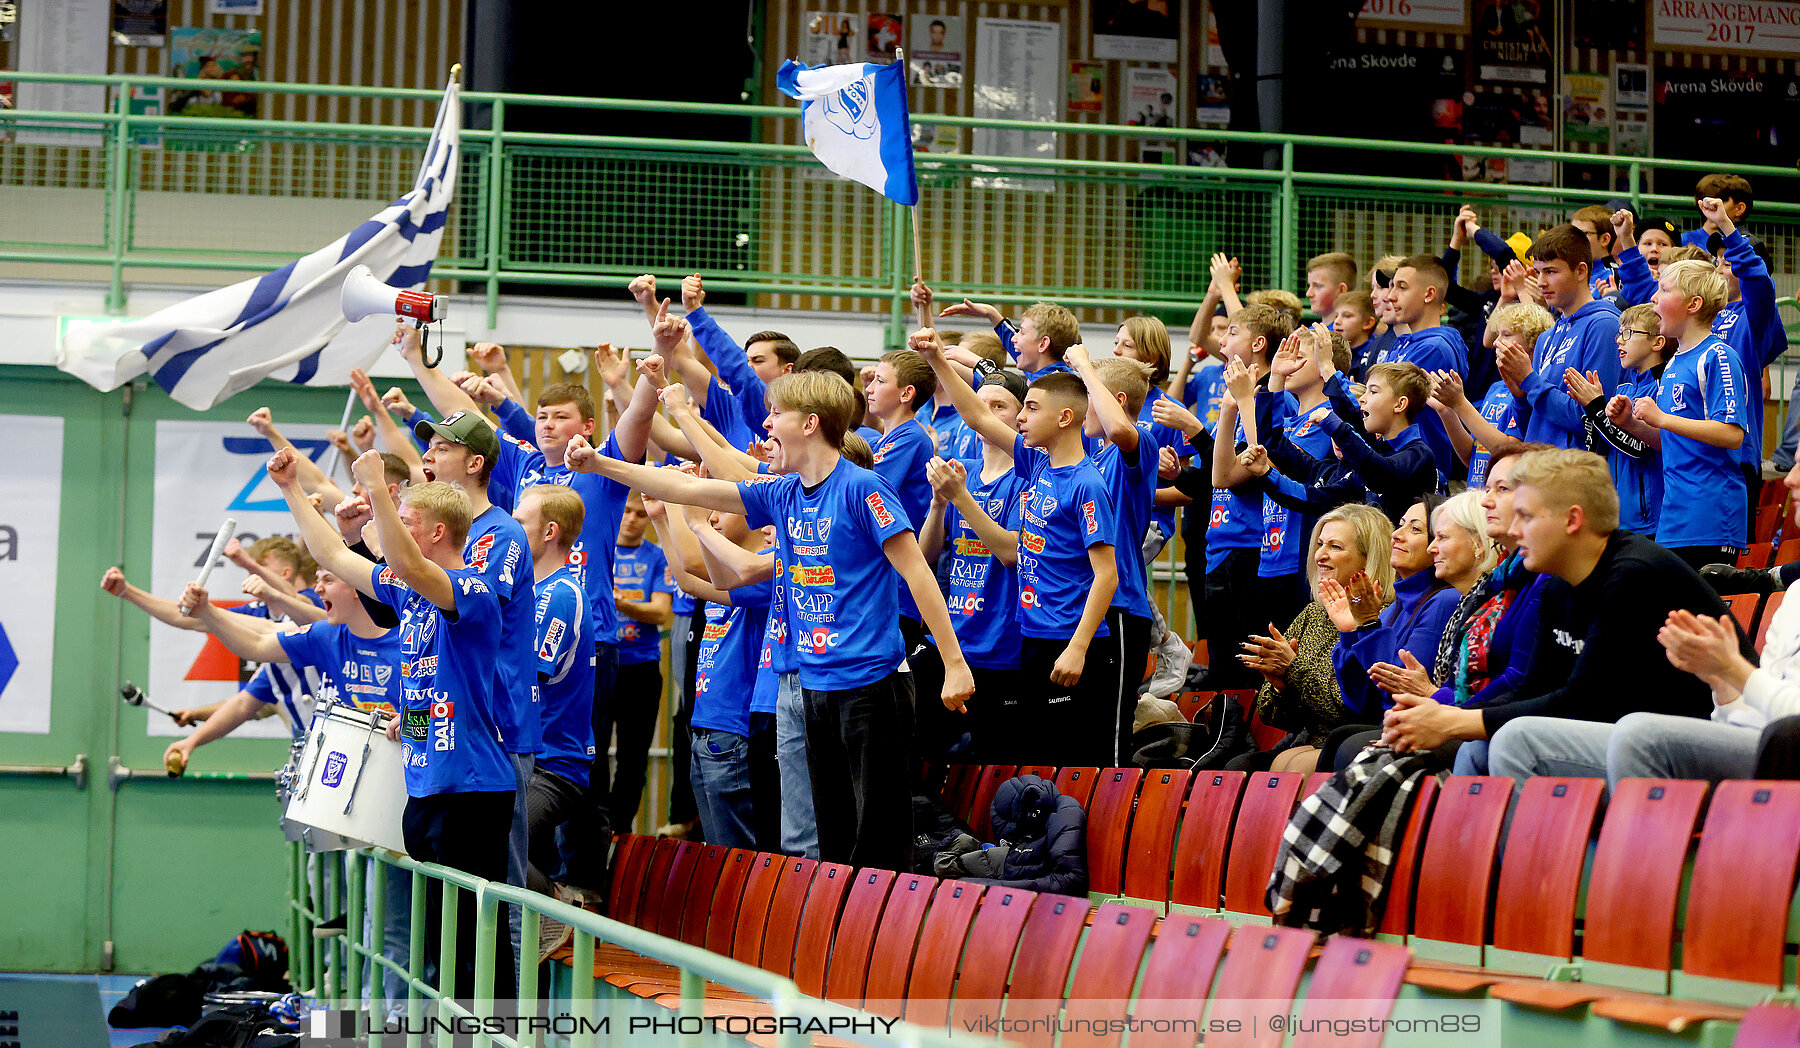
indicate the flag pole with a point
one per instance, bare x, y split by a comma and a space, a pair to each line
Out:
349, 406
924, 314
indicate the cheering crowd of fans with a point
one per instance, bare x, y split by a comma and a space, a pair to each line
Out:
1477, 524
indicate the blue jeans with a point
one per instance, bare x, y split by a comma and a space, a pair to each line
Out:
1639, 746
396, 934
518, 836
799, 823
719, 768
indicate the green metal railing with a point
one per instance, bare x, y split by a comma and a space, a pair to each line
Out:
333, 970
133, 192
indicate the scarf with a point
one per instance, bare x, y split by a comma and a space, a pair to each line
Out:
1508, 575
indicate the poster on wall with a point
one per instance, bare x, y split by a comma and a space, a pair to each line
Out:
1087, 87
935, 138
1019, 68
1507, 117
831, 39
1215, 55
205, 472
1424, 16
1212, 100
1422, 86
884, 35
1150, 98
935, 51
1631, 87
234, 7
30, 511
223, 55
1136, 30
9, 20
67, 36
1752, 27
1510, 44
1587, 116
140, 23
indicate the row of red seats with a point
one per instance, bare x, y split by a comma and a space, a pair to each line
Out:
950, 953
1488, 919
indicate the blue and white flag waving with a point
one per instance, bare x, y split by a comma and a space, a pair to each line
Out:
855, 121
288, 324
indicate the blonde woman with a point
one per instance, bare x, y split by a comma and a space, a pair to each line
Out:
1350, 549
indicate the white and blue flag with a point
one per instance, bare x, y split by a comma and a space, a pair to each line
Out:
856, 122
289, 324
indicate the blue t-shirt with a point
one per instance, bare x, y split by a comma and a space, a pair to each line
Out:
1204, 390
448, 741
726, 413
639, 572
980, 592
900, 460
1131, 488
1166, 437
1063, 512
565, 674
1236, 521
725, 672
841, 588
497, 549
1280, 546
1586, 340
954, 437
774, 647
291, 689
362, 672
1703, 490
1499, 408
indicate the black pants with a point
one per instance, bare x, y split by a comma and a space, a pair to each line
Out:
935, 728
1698, 557
992, 717
1343, 744
1234, 610
859, 754
1133, 633
637, 695
467, 832
1778, 753
765, 783
1753, 482
1066, 725
550, 802
585, 838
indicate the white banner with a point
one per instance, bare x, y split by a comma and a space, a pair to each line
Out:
205, 472
30, 508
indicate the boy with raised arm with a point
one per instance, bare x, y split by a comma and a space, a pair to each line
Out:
459, 782
550, 515
1584, 338
748, 369
1068, 572
1696, 419
1418, 304
842, 539
643, 594
974, 519
1125, 453
1393, 459
1038, 340
1234, 601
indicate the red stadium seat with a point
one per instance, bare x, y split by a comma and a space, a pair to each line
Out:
891, 961
1077, 783
1205, 838
1352, 974
987, 962
1256, 840
1456, 868
986, 785
1046, 949
854, 938
1262, 967
1101, 989
1178, 980
941, 940
1108, 822
1152, 841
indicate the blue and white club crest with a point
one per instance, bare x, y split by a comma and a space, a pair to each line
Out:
852, 110
824, 529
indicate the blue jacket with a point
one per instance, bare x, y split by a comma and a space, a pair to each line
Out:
1414, 623
734, 367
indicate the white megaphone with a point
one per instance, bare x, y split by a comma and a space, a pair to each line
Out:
364, 296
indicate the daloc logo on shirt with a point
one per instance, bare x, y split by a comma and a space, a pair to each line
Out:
335, 763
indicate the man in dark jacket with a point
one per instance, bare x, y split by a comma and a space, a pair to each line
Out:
1597, 656
1042, 837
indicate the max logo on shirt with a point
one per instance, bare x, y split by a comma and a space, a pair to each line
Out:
1087, 516
882, 517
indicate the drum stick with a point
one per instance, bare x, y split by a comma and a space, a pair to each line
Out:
226, 530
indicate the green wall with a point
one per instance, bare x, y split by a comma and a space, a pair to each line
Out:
165, 869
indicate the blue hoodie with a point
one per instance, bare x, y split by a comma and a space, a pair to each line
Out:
1586, 340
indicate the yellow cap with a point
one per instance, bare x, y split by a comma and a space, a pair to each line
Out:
1521, 245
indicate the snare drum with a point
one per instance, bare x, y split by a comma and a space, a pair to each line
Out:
349, 782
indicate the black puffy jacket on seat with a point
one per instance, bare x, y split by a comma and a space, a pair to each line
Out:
1048, 834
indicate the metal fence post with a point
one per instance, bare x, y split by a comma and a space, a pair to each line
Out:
496, 183
1288, 251
352, 989
1635, 177
118, 194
